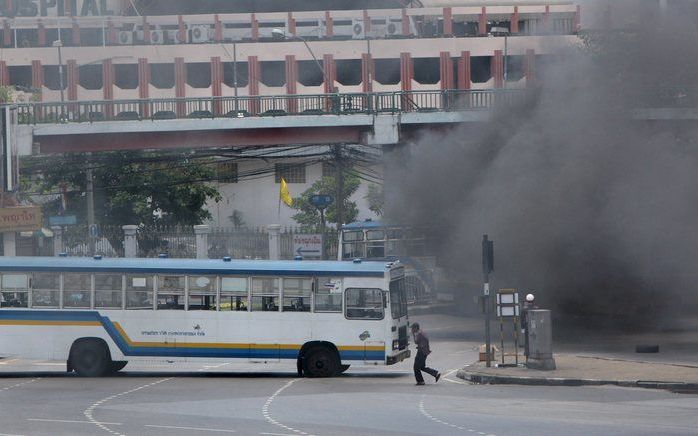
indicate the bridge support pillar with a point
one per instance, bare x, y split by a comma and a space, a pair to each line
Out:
130, 241
274, 241
9, 244
385, 131
57, 240
201, 233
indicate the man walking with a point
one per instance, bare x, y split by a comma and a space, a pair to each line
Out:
420, 360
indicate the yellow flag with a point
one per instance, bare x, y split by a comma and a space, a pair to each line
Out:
284, 194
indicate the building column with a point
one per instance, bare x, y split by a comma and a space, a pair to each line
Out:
73, 76
216, 84
367, 22
9, 244
6, 34
144, 86
130, 241
291, 83
367, 72
406, 76
4, 74
482, 23
108, 86
217, 29
448, 21
530, 67
405, 23
497, 69
464, 70
254, 26
180, 85
41, 34
578, 19
329, 25
253, 82
57, 240
514, 21
38, 78
111, 32
546, 19
181, 30
201, 233
146, 31
77, 40
330, 71
274, 241
446, 70
291, 23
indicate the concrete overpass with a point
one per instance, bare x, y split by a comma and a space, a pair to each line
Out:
360, 118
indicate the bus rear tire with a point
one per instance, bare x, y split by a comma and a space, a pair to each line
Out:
90, 358
321, 362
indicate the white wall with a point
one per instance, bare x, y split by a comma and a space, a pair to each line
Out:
258, 198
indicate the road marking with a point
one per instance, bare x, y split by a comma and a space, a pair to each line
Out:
437, 420
221, 430
8, 434
7, 388
67, 421
459, 382
267, 404
6, 362
278, 434
89, 412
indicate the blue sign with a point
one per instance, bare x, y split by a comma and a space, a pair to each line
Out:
321, 201
64, 220
94, 231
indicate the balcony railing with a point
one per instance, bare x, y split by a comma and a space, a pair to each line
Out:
265, 106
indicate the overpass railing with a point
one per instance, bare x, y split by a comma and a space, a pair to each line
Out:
265, 106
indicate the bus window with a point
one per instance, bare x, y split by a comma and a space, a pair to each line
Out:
375, 235
108, 293
327, 299
364, 303
170, 293
46, 290
352, 250
76, 290
297, 294
234, 293
202, 293
398, 298
353, 236
375, 249
139, 292
265, 294
15, 290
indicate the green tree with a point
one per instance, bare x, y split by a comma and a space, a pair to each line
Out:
129, 187
309, 216
376, 199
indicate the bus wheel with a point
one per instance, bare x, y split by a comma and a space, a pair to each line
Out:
90, 358
117, 365
321, 362
343, 368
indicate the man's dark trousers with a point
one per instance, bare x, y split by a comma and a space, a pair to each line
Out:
420, 364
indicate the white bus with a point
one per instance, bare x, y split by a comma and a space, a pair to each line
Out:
98, 314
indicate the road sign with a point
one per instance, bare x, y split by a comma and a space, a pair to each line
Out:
94, 231
62, 220
321, 201
309, 245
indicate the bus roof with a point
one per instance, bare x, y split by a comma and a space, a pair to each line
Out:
362, 225
194, 266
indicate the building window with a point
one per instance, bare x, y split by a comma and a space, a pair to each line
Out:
227, 172
329, 169
292, 173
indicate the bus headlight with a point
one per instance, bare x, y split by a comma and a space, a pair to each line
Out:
396, 345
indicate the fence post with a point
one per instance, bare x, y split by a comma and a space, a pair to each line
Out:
274, 241
57, 240
130, 241
201, 232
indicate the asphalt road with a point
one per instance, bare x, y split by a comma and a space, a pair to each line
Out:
38, 398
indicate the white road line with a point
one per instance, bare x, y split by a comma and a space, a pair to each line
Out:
437, 420
7, 388
6, 362
267, 404
459, 382
8, 434
67, 421
191, 428
278, 434
89, 412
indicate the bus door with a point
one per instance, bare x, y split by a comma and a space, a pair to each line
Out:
366, 306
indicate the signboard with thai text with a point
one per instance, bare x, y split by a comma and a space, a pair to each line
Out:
309, 245
60, 8
20, 219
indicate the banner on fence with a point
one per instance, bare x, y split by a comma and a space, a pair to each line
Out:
20, 219
307, 245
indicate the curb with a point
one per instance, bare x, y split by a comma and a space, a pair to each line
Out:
482, 378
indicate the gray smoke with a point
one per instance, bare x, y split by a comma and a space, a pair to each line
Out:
593, 210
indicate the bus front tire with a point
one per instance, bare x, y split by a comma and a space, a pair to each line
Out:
117, 365
321, 362
343, 368
90, 358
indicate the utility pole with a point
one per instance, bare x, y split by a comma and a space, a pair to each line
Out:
339, 182
487, 268
91, 229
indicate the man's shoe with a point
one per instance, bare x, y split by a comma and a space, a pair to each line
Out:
420, 383
438, 376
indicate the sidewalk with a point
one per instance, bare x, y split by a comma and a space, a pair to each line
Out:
576, 370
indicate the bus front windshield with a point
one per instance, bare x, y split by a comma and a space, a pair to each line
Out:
398, 299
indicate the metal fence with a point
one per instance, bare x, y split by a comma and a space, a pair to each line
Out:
266, 105
108, 242
238, 243
173, 241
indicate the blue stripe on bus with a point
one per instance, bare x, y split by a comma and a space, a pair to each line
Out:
128, 350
